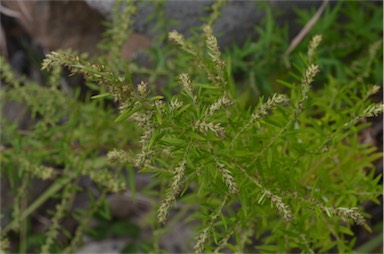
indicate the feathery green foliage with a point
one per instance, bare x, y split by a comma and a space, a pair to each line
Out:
286, 174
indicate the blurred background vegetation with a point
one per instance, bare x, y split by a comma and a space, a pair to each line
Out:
351, 51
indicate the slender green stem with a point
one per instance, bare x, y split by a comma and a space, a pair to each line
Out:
39, 201
272, 141
237, 135
85, 222
372, 245
23, 228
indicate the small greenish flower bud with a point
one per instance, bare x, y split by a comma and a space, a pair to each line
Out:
163, 210
159, 104
115, 184
142, 120
309, 75
222, 102
176, 38
205, 126
201, 239
175, 104
118, 156
308, 78
142, 89
227, 178
187, 83
178, 178
281, 207
373, 110
144, 158
350, 213
271, 103
214, 51
179, 40
313, 46
207, 29
373, 90
173, 191
146, 136
38, 171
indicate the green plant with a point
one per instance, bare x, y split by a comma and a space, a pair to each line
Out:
286, 174
347, 29
258, 62
62, 146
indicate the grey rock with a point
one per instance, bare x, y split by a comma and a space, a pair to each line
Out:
237, 21
111, 246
